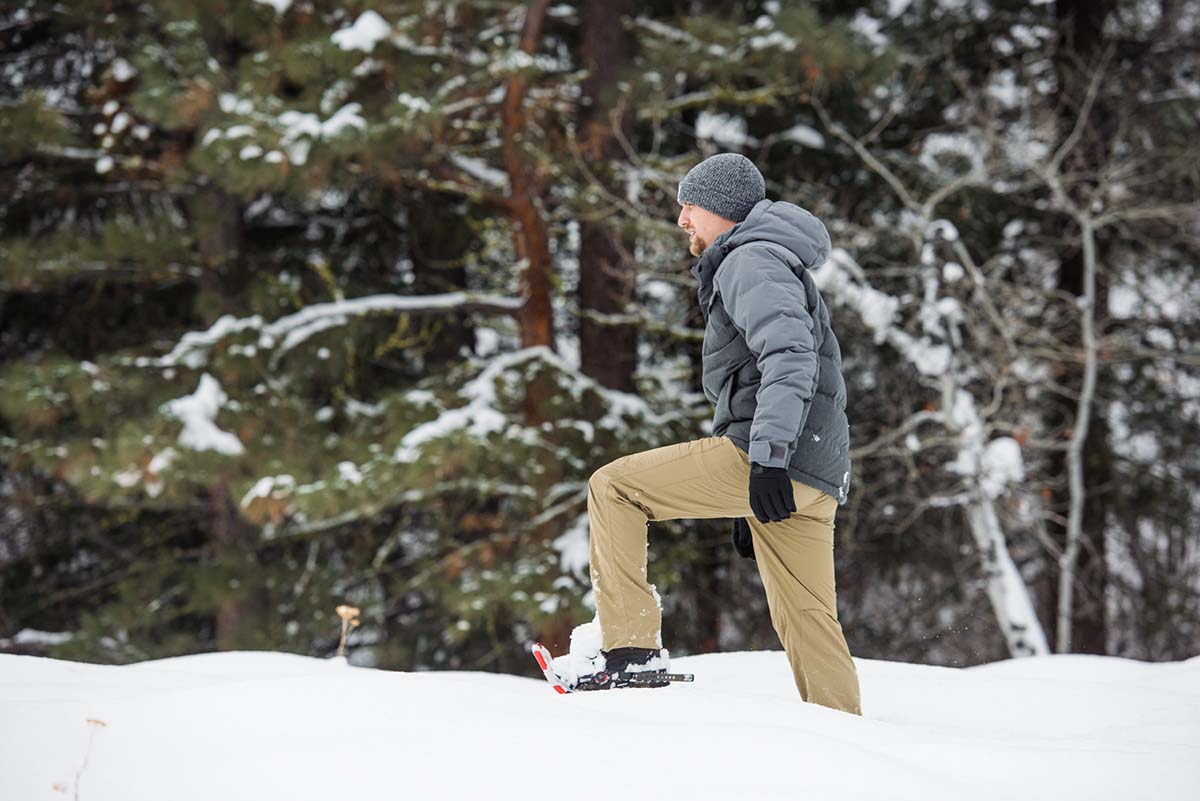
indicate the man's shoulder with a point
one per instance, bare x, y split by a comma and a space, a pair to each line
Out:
758, 260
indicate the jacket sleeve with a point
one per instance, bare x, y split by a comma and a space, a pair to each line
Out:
767, 303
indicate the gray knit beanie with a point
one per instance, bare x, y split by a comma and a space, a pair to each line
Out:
727, 184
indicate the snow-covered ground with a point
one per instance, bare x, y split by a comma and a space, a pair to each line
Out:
262, 725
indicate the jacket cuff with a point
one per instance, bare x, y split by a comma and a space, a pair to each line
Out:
768, 454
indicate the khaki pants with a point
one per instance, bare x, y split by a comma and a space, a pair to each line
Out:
706, 478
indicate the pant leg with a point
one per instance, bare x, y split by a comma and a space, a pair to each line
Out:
702, 478
708, 478
795, 561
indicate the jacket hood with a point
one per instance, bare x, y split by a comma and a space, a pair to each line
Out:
784, 224
775, 221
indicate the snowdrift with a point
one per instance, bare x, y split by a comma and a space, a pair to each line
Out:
255, 726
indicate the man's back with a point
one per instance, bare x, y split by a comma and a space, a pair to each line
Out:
772, 363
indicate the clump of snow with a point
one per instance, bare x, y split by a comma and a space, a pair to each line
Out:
37, 637
270, 487
1001, 465
877, 309
129, 477
280, 6
198, 412
724, 129
349, 472
773, 40
574, 548
942, 229
584, 655
122, 70
804, 135
938, 150
477, 168
1003, 88
479, 417
152, 478
417, 104
367, 31
232, 104
300, 129
869, 27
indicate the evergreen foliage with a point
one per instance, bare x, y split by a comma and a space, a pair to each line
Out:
260, 303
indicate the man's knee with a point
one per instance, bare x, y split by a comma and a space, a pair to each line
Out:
600, 482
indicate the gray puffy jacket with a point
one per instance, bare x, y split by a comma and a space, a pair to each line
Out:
772, 364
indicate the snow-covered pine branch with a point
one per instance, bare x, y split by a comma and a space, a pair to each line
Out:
286, 333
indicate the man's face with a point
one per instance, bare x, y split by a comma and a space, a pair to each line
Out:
702, 226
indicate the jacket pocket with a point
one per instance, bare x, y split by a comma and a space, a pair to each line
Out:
723, 414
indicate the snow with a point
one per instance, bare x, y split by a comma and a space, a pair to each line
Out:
122, 70
270, 487
804, 135
479, 417
280, 6
481, 170
868, 27
36, 637
417, 104
935, 146
723, 129
367, 31
1000, 463
198, 411
1004, 90
349, 472
192, 350
573, 548
259, 725
773, 40
942, 229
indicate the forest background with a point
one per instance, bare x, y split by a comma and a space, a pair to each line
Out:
313, 303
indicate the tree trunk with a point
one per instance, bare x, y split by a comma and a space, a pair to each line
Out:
607, 278
232, 541
216, 219
531, 239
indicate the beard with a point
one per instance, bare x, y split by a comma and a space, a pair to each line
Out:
696, 245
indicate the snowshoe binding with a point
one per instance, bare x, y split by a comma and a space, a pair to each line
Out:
623, 667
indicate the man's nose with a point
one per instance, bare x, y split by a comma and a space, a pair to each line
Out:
682, 215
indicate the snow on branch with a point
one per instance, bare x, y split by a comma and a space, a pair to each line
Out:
193, 348
480, 416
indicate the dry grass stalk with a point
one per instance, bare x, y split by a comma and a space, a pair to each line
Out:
349, 616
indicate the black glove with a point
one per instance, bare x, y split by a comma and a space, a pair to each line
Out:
743, 542
771, 495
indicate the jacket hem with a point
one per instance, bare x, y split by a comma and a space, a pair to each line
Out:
795, 474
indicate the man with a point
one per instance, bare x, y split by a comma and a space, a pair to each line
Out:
778, 461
